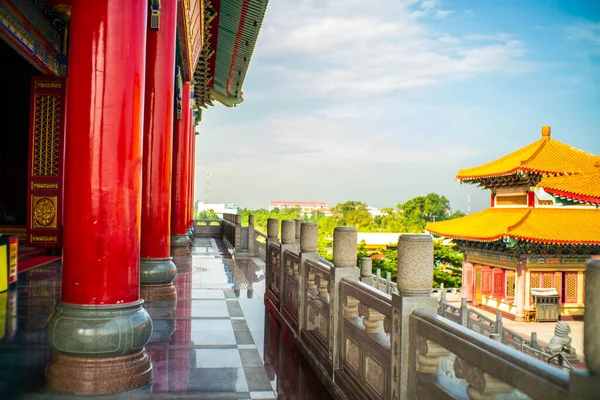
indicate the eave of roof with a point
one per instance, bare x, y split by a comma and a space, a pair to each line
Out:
540, 225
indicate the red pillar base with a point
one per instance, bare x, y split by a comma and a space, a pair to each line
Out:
162, 292
87, 376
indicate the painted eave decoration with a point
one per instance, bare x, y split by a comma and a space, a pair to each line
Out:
539, 225
231, 34
190, 31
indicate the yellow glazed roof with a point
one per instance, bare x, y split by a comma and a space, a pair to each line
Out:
582, 187
545, 156
542, 225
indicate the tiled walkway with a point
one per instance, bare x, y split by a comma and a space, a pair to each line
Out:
215, 343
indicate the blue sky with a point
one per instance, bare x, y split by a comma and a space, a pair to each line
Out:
384, 100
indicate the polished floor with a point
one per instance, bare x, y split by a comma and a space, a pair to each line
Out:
215, 342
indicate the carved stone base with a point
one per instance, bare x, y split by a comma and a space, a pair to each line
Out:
180, 241
160, 293
99, 376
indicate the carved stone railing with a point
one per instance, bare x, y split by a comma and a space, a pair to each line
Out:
260, 244
274, 254
208, 228
365, 339
488, 370
365, 343
317, 330
291, 286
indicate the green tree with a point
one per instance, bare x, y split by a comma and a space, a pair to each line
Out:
207, 214
448, 265
418, 211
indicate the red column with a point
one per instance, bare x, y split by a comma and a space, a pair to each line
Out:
103, 160
157, 268
179, 189
100, 316
191, 165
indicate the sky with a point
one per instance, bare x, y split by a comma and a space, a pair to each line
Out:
384, 100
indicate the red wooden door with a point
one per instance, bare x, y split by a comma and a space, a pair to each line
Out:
46, 157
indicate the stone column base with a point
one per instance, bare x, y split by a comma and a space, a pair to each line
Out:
183, 263
158, 293
180, 241
99, 348
86, 376
190, 235
156, 278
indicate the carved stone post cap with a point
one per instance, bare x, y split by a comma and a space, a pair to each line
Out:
288, 231
415, 264
272, 228
344, 246
251, 219
415, 237
238, 219
309, 237
366, 267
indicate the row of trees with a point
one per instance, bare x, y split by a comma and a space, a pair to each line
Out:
408, 217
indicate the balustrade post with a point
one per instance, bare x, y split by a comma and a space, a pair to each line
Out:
442, 302
499, 324
464, 311
237, 233
251, 236
534, 342
585, 384
366, 270
344, 261
272, 239
309, 234
414, 280
288, 242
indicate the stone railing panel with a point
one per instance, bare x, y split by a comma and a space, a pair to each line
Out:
365, 354
275, 258
317, 278
291, 261
208, 228
488, 369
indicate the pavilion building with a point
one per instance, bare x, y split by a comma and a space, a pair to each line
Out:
542, 225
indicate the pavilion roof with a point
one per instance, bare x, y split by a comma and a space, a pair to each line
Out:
545, 156
539, 225
583, 188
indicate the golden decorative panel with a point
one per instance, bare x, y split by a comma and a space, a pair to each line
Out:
515, 200
44, 185
37, 238
352, 355
46, 135
48, 85
374, 374
510, 284
570, 287
43, 211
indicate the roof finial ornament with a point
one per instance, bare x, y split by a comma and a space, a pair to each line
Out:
545, 131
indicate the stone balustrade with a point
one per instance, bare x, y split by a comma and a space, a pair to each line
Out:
367, 338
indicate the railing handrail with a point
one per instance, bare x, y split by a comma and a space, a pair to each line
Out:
319, 265
480, 315
259, 233
368, 295
527, 374
292, 254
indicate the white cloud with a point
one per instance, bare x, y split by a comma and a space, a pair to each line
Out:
363, 50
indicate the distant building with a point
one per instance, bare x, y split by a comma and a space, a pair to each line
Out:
218, 208
305, 206
378, 240
374, 211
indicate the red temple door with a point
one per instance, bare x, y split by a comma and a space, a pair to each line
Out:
46, 157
